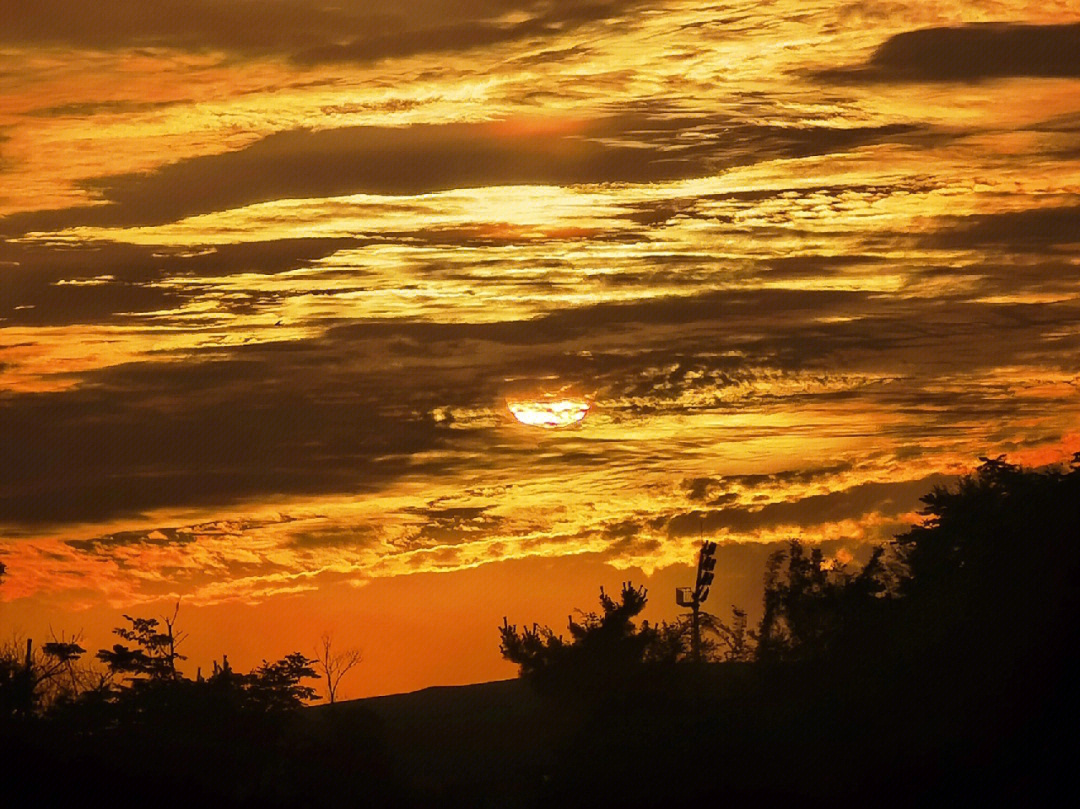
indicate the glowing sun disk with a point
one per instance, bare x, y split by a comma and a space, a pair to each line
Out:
549, 413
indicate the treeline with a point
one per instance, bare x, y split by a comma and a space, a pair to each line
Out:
129, 727
946, 667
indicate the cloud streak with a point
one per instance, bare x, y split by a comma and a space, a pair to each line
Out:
639, 148
351, 31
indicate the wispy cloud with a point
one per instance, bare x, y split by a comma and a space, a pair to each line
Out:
345, 31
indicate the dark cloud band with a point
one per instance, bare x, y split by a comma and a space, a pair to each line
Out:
971, 53
310, 33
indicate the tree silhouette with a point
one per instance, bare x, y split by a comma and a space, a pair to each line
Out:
63, 674
801, 604
18, 683
276, 686
718, 640
735, 638
993, 570
154, 655
603, 652
811, 603
334, 665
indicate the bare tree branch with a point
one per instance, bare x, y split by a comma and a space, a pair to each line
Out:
334, 665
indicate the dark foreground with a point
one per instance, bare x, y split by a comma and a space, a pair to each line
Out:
944, 671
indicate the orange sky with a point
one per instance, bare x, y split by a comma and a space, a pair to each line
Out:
271, 272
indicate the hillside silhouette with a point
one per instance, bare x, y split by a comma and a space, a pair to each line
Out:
944, 668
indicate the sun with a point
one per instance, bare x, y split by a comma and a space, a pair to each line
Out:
549, 413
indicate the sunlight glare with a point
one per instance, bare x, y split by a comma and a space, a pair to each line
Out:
549, 413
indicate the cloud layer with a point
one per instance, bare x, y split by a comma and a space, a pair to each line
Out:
269, 272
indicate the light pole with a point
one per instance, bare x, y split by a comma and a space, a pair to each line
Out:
694, 597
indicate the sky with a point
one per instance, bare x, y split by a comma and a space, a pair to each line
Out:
272, 273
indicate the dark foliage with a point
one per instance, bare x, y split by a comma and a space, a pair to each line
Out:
812, 606
945, 669
606, 654
17, 688
143, 729
154, 655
